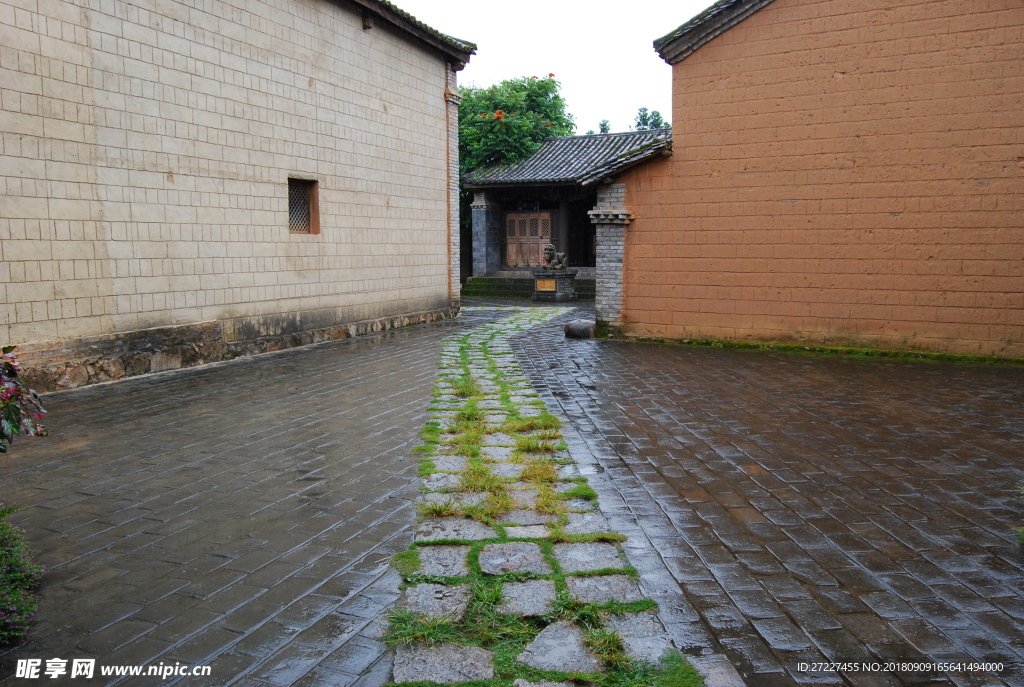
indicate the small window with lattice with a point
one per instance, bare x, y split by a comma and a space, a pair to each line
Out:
303, 206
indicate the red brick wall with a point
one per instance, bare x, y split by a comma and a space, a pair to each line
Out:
844, 172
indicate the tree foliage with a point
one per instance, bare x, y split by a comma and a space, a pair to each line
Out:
506, 122
649, 120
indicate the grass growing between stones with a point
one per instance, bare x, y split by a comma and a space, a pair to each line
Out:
482, 399
407, 563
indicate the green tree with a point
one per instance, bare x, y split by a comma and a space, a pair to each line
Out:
649, 120
507, 122
502, 124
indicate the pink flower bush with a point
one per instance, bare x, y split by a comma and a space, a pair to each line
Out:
20, 409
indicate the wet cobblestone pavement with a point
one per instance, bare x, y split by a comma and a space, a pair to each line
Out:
779, 508
809, 508
240, 515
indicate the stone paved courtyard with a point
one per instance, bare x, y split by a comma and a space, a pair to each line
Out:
810, 508
237, 515
780, 508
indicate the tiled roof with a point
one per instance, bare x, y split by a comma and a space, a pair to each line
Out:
724, 14
579, 160
459, 49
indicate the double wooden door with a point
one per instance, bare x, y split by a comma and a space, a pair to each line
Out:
526, 234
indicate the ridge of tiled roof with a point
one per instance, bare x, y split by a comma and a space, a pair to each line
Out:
724, 14
579, 160
455, 47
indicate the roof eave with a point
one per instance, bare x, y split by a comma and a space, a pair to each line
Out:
456, 51
473, 186
582, 181
723, 15
659, 150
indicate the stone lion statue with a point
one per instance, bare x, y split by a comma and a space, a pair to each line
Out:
554, 260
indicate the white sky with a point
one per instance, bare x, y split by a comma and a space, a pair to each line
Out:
601, 52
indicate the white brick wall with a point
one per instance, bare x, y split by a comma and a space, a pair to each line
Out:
146, 149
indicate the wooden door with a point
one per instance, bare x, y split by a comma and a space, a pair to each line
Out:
526, 234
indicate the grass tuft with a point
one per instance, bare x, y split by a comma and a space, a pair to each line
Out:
608, 646
489, 510
528, 424
407, 627
466, 387
406, 562
534, 445
539, 470
676, 671
479, 478
581, 491
470, 413
439, 509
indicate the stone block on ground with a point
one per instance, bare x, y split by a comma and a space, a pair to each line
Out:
498, 439
458, 498
579, 329
449, 463
559, 646
527, 598
586, 557
586, 523
512, 470
437, 600
442, 480
541, 683
497, 452
445, 664
524, 517
496, 559
601, 588
523, 498
581, 505
453, 528
526, 532
642, 633
446, 560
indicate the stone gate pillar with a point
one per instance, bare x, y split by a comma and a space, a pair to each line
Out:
610, 218
487, 235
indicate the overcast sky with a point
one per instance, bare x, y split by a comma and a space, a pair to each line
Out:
601, 52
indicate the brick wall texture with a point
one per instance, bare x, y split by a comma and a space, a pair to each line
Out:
145, 153
844, 172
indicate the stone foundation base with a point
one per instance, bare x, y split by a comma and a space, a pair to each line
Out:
69, 364
554, 286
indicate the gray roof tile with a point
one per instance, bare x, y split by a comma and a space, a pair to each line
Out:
579, 160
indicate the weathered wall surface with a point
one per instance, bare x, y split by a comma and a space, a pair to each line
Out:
844, 172
144, 164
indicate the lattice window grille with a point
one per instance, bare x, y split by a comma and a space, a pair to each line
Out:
299, 201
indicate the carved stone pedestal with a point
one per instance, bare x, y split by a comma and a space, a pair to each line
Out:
554, 286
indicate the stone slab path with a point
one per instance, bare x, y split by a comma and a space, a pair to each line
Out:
789, 509
528, 583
